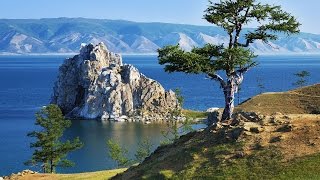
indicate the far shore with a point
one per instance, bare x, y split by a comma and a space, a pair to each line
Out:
154, 54
72, 54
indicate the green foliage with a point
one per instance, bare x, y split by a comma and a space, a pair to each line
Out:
200, 60
232, 16
177, 112
179, 96
302, 78
144, 150
175, 130
49, 150
171, 134
121, 156
186, 126
118, 154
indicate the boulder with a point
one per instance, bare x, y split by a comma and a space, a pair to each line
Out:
252, 127
286, 128
95, 84
214, 116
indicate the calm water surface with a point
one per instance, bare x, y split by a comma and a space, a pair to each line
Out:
26, 85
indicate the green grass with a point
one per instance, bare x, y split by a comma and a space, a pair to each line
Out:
302, 168
263, 164
194, 114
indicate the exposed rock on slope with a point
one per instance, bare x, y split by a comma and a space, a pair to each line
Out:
95, 84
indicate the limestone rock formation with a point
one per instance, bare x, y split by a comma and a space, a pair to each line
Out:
95, 84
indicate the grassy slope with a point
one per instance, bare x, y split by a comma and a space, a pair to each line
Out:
300, 101
211, 155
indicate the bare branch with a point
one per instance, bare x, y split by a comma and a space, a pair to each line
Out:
246, 44
218, 78
239, 27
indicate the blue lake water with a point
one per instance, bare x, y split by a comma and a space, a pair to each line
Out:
26, 85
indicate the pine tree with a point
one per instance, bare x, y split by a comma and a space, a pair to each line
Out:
235, 58
50, 152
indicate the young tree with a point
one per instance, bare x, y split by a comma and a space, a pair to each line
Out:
302, 81
177, 112
234, 59
118, 154
49, 150
144, 150
121, 156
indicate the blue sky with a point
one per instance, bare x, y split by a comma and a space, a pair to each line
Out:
173, 11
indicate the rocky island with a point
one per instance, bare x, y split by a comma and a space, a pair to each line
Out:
95, 84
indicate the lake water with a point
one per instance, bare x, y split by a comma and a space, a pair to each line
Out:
26, 85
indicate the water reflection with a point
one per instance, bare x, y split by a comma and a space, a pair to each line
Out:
94, 134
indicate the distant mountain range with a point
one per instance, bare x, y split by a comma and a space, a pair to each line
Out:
64, 35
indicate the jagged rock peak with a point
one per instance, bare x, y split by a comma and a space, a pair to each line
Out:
99, 53
95, 84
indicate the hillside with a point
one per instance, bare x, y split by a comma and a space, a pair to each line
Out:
64, 35
274, 150
251, 146
304, 100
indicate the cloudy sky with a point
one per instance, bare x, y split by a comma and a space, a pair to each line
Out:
171, 11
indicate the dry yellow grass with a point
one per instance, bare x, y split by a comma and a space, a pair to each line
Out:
304, 100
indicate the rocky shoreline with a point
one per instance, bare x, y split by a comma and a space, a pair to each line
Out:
18, 175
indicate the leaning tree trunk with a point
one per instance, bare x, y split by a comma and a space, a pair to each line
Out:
230, 87
229, 91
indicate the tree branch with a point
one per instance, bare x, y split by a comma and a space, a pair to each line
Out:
244, 69
239, 27
218, 78
246, 44
238, 74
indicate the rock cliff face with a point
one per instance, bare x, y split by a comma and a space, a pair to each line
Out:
95, 84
